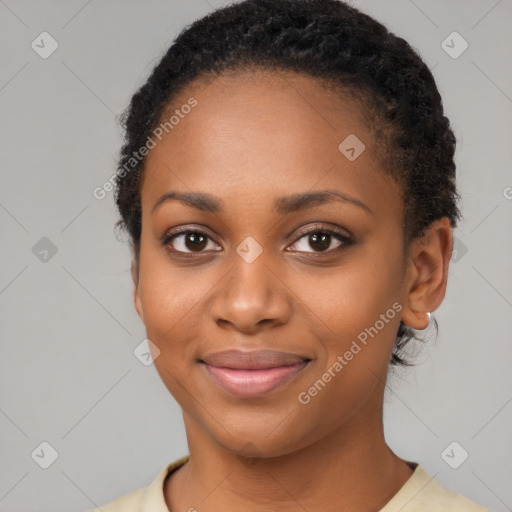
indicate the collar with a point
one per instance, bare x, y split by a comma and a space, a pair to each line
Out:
413, 493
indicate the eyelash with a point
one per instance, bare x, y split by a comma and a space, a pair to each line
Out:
345, 240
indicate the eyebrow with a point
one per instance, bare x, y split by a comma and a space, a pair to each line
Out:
284, 205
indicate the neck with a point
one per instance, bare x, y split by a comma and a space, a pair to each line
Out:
350, 469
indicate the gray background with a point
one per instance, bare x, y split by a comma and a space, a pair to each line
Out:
68, 373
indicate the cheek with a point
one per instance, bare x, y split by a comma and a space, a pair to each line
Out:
175, 316
358, 305
168, 293
352, 297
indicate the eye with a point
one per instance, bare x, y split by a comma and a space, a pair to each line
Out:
188, 240
321, 240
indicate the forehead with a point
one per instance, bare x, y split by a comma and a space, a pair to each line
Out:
248, 103
260, 129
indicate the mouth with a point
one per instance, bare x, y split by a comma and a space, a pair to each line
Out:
252, 374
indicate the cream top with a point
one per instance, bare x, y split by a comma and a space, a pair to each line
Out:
421, 493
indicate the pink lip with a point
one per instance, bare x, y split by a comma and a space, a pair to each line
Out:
250, 374
253, 383
251, 359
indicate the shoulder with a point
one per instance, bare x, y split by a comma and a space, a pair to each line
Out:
437, 498
423, 492
146, 499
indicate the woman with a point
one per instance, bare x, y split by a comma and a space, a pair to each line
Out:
288, 185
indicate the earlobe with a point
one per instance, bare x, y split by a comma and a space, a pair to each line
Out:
427, 274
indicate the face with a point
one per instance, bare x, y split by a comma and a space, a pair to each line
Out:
258, 263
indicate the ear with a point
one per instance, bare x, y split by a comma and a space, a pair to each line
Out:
136, 296
427, 273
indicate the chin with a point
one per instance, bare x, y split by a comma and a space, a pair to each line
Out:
250, 438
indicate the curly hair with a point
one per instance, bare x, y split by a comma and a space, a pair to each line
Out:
337, 45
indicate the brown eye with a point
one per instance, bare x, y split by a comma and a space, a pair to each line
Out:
189, 241
195, 241
321, 240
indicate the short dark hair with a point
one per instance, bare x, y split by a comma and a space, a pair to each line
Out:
337, 44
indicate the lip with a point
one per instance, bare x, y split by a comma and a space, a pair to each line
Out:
251, 374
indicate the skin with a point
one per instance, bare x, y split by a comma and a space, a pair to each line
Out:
254, 137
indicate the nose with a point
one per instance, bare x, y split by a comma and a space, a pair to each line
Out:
251, 297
